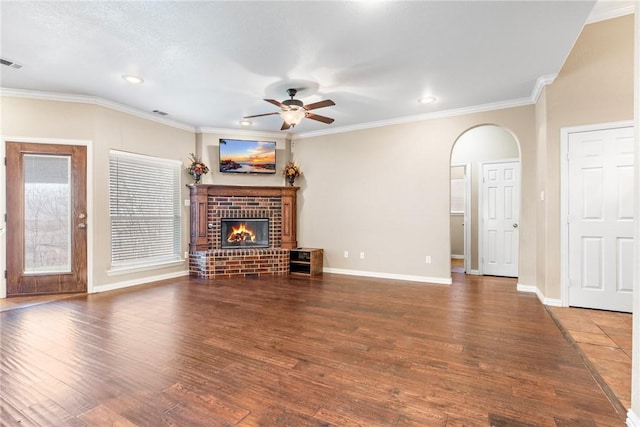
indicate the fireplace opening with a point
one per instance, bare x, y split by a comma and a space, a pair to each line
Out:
244, 233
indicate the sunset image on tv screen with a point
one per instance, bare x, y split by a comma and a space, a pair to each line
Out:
241, 156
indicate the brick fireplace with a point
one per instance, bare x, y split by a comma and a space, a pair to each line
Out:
211, 204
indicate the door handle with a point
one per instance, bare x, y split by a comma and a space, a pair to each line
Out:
82, 226
82, 216
515, 225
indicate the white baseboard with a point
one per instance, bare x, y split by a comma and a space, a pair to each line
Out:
554, 302
141, 281
406, 277
526, 288
474, 273
632, 419
457, 256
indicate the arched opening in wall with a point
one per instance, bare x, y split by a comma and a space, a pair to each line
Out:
485, 202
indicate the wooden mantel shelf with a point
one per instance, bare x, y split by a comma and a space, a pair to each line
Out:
237, 190
199, 196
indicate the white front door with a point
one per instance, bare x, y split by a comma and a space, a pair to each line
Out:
601, 219
500, 218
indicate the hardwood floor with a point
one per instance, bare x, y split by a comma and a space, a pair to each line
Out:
292, 351
457, 265
22, 302
604, 338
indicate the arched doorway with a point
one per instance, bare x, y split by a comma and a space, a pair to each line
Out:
493, 151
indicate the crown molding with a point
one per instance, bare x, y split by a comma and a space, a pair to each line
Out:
541, 82
94, 100
242, 132
418, 118
604, 10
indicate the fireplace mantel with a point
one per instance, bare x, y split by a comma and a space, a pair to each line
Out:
201, 194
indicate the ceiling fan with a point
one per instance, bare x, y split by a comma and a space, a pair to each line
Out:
293, 110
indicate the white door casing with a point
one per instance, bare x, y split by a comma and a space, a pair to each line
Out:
500, 215
600, 218
467, 214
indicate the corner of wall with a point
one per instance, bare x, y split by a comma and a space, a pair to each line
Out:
198, 145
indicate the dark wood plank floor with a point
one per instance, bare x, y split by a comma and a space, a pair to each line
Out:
292, 351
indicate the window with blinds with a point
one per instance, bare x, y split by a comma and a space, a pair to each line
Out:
144, 209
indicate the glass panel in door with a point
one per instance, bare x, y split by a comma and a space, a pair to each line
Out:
47, 214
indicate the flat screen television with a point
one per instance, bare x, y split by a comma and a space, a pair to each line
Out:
247, 156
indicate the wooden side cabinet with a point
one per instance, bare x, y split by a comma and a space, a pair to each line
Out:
305, 261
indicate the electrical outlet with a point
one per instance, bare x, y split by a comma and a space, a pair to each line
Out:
187, 202
427, 259
346, 254
186, 254
361, 255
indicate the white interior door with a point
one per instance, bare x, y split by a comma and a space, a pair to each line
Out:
601, 219
500, 218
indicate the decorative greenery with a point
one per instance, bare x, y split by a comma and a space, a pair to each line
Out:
196, 168
291, 170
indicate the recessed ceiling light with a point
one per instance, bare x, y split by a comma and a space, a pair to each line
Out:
245, 122
427, 99
133, 79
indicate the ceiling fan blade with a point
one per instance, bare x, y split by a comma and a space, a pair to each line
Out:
277, 103
319, 118
260, 115
285, 126
321, 104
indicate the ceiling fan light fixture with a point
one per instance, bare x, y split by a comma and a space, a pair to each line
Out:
245, 122
293, 116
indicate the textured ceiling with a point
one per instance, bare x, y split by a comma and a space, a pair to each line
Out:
208, 64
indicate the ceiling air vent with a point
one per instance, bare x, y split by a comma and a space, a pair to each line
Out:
161, 113
10, 63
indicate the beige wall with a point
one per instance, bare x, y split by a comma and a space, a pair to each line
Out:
456, 228
208, 149
105, 129
385, 192
595, 85
477, 145
540, 228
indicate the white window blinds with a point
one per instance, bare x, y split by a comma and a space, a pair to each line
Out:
144, 208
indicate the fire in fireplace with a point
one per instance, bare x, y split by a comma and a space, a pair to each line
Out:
244, 233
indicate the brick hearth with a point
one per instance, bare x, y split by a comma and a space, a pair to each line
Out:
225, 263
211, 203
